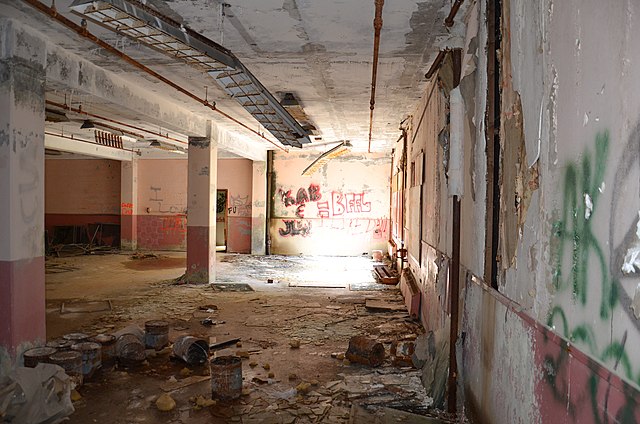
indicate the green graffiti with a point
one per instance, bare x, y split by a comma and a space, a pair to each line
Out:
573, 234
581, 195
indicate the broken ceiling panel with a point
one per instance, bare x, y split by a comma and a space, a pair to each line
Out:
149, 27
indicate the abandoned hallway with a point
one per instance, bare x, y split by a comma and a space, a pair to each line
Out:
287, 211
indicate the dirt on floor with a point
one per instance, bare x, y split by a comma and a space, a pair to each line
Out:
293, 317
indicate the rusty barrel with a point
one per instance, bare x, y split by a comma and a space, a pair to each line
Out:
226, 377
108, 348
60, 344
192, 350
156, 334
91, 357
365, 351
129, 350
33, 357
71, 362
76, 337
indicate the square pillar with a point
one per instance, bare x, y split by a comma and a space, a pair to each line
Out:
259, 208
22, 289
201, 208
129, 205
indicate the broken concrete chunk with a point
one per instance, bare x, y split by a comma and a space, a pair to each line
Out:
165, 403
294, 344
303, 387
364, 350
402, 353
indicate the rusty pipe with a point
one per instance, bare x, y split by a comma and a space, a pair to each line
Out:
377, 26
83, 32
436, 64
93, 115
448, 22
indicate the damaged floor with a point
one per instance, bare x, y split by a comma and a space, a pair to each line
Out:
294, 317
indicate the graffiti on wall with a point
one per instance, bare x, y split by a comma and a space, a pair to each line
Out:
162, 208
126, 208
580, 267
239, 205
174, 225
338, 212
295, 227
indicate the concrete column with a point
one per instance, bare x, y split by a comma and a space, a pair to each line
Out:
259, 208
201, 208
22, 291
129, 205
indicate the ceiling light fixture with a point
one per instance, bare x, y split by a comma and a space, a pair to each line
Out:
87, 124
145, 25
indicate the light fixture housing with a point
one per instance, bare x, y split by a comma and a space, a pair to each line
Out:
147, 26
87, 124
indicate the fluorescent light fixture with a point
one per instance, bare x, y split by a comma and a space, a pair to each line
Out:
87, 124
341, 149
147, 26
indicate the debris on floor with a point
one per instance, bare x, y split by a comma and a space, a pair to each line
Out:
295, 360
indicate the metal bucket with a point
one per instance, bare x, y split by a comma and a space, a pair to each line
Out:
108, 348
60, 344
91, 357
226, 377
33, 357
130, 350
71, 362
156, 334
76, 337
192, 350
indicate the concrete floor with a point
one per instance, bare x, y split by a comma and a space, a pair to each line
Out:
266, 319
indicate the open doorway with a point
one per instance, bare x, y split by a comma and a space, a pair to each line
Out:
221, 220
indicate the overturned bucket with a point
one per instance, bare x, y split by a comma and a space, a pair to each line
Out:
226, 377
35, 356
192, 350
71, 363
91, 357
108, 348
130, 350
156, 334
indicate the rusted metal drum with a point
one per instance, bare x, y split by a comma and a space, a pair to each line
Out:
60, 344
71, 362
156, 334
365, 351
76, 337
192, 350
108, 348
226, 377
35, 356
130, 350
91, 357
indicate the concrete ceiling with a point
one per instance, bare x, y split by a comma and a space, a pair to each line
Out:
319, 50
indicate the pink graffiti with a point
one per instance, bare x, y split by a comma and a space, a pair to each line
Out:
348, 203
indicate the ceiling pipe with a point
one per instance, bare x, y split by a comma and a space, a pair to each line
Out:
93, 115
377, 26
83, 32
448, 22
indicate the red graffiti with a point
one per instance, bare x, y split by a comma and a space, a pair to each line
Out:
126, 208
348, 203
295, 228
174, 225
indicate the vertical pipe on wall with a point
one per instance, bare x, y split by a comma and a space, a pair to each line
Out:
493, 142
269, 199
454, 296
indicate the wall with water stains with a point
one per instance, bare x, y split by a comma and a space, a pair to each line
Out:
342, 209
560, 341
